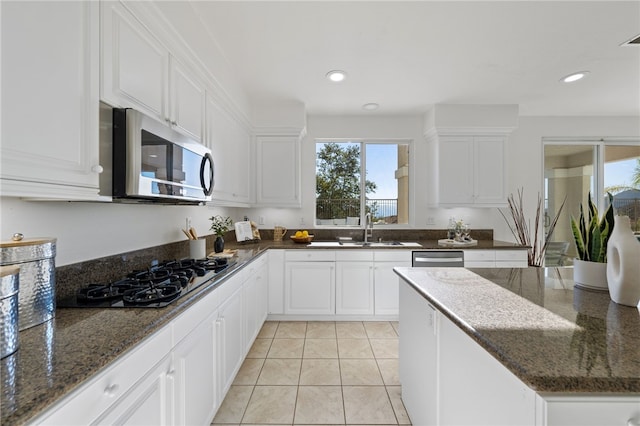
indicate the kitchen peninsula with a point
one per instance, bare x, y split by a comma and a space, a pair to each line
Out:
515, 346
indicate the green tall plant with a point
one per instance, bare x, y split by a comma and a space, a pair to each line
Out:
591, 237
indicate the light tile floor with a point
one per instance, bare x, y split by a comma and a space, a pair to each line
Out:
318, 373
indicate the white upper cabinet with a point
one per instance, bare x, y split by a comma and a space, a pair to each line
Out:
187, 96
230, 144
278, 171
467, 154
139, 72
468, 170
50, 70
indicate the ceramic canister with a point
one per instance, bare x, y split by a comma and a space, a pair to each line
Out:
623, 264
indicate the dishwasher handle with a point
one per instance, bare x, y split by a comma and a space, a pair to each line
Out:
438, 258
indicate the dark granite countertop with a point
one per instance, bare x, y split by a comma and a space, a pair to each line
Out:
428, 244
56, 357
555, 337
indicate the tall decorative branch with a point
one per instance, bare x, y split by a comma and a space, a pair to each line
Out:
520, 228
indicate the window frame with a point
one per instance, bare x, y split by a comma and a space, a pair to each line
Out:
363, 142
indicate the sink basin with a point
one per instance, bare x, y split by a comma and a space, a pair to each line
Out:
354, 244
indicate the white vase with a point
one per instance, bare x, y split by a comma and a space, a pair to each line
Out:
623, 264
591, 275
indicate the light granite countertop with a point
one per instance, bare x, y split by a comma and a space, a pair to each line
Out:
555, 337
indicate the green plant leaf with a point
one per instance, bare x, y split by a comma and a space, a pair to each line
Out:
577, 236
595, 250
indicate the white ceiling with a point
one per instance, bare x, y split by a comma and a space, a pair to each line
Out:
407, 56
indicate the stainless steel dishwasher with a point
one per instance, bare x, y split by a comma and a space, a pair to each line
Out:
437, 258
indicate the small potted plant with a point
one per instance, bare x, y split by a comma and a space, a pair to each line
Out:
220, 225
591, 237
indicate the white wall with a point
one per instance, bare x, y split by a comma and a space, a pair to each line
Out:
91, 230
526, 152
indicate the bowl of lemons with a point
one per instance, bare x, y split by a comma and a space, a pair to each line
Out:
302, 237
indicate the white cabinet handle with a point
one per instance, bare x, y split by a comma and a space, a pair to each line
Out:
97, 169
111, 390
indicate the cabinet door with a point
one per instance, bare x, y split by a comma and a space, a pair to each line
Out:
276, 281
455, 170
186, 109
490, 185
386, 287
479, 258
195, 360
252, 310
278, 168
134, 63
464, 370
230, 142
310, 288
148, 402
354, 288
230, 339
50, 71
418, 357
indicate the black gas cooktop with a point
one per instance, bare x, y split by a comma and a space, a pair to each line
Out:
155, 287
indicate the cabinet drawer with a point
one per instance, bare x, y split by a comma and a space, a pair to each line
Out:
189, 320
92, 399
592, 411
304, 255
355, 255
479, 255
392, 256
228, 287
511, 255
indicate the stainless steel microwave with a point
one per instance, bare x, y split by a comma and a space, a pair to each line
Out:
151, 161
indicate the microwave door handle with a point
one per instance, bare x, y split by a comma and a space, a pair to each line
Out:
207, 187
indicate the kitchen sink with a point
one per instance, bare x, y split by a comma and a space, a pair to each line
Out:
354, 244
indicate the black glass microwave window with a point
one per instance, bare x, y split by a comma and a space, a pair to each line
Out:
156, 158
169, 164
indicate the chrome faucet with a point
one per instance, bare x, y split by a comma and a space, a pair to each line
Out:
368, 228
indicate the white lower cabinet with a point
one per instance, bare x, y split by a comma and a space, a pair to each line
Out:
230, 340
194, 364
181, 374
449, 379
445, 374
354, 283
107, 394
310, 288
495, 258
386, 281
470, 377
276, 282
255, 300
340, 283
148, 402
418, 354
588, 411
309, 282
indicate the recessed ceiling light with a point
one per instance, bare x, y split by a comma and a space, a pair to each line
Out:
336, 75
370, 106
574, 77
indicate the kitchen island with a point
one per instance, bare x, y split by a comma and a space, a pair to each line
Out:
515, 346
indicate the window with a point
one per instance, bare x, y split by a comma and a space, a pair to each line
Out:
354, 178
575, 168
